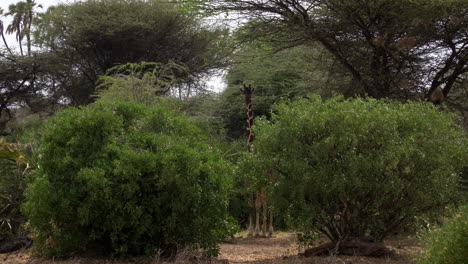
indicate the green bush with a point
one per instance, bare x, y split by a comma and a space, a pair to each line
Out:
16, 164
355, 168
128, 177
142, 82
14, 171
448, 245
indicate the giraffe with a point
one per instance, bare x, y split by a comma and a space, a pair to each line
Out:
259, 200
248, 92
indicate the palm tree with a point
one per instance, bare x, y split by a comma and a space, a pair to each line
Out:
16, 26
23, 15
29, 8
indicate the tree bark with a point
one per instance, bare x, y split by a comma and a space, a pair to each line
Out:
6, 43
257, 216
251, 227
265, 213
270, 229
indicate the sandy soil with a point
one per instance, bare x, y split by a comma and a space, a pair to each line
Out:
244, 250
280, 249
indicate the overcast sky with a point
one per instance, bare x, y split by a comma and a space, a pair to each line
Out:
215, 83
5, 3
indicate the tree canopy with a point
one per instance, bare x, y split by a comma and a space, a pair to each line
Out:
97, 35
70, 45
333, 91
398, 49
277, 75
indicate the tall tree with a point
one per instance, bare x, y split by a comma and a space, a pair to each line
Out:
277, 75
94, 36
391, 48
17, 11
28, 21
23, 15
40, 83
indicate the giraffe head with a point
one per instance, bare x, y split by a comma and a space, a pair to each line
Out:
247, 90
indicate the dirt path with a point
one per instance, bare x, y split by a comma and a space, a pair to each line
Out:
280, 249
259, 249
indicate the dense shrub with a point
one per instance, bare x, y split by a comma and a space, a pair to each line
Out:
142, 82
14, 171
355, 168
128, 177
449, 244
16, 164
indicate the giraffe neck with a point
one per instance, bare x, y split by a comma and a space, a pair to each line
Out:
250, 120
248, 91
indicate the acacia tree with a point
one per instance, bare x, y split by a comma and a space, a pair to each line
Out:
277, 75
142, 82
94, 36
399, 49
79, 42
40, 83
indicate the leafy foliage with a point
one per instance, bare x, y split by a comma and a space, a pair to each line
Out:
448, 244
14, 169
204, 110
275, 75
129, 177
140, 82
286, 72
351, 168
391, 48
23, 14
95, 36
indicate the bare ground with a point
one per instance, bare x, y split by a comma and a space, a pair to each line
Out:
280, 249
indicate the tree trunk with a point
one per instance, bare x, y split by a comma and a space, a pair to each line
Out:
251, 227
264, 215
6, 44
257, 216
28, 36
20, 41
270, 229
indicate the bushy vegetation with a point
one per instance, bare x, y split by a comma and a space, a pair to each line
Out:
449, 244
128, 177
142, 82
14, 171
130, 174
359, 168
94, 36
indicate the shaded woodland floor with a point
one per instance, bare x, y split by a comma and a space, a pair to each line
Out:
280, 249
